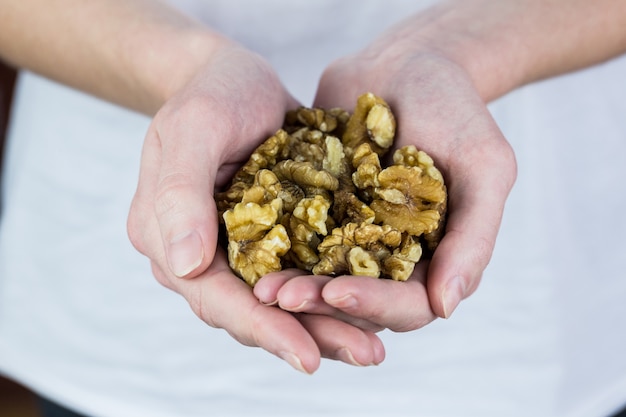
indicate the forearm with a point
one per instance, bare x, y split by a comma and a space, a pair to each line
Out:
132, 52
504, 44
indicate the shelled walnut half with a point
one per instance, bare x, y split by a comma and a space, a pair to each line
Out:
317, 196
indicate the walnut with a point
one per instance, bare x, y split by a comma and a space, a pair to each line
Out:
408, 200
305, 174
304, 241
334, 160
362, 262
410, 156
256, 242
372, 122
307, 145
266, 155
306, 223
314, 212
400, 264
409, 195
265, 188
358, 249
291, 194
348, 208
318, 119
367, 165
316, 196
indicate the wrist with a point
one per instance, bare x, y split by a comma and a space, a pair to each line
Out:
162, 63
504, 44
451, 35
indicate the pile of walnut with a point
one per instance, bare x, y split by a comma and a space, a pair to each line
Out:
314, 196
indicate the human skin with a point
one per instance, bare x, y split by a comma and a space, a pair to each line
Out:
203, 91
438, 70
447, 63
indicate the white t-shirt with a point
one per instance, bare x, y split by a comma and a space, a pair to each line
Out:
83, 321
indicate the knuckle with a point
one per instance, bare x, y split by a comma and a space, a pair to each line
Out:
481, 253
415, 311
170, 194
410, 324
508, 163
201, 309
258, 326
134, 227
160, 276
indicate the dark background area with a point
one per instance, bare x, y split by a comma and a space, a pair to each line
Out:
16, 401
7, 82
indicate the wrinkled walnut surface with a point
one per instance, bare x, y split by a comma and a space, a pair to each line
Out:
316, 196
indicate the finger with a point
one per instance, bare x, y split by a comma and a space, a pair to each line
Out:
303, 294
340, 341
474, 216
399, 306
224, 301
293, 291
267, 288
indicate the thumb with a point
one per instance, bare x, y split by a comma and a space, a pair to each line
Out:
183, 203
474, 216
173, 218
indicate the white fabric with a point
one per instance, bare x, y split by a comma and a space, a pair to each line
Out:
83, 322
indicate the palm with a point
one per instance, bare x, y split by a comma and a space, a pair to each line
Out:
439, 111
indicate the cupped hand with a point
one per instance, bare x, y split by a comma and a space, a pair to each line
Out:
193, 146
440, 111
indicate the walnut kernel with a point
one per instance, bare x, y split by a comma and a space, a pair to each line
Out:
316, 196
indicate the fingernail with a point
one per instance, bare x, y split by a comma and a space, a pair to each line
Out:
296, 309
379, 354
185, 253
345, 355
347, 301
452, 295
293, 360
